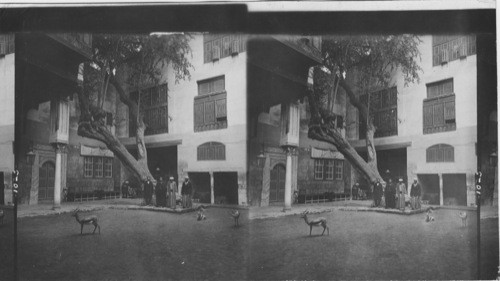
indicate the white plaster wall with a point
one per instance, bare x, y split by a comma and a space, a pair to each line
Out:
7, 106
181, 127
463, 139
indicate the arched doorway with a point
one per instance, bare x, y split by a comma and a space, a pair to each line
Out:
277, 186
46, 183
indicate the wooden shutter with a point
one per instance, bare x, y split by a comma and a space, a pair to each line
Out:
449, 153
208, 52
209, 112
435, 56
427, 115
220, 108
199, 113
203, 88
438, 118
444, 54
219, 85
449, 111
226, 45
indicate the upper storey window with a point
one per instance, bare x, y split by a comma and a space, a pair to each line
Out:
218, 46
450, 48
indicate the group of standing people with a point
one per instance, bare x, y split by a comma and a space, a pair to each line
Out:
166, 193
395, 195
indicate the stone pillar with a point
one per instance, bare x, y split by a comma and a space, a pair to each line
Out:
60, 149
59, 138
212, 196
289, 141
288, 180
441, 199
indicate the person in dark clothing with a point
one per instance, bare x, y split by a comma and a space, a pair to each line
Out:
377, 193
390, 192
415, 193
161, 190
148, 191
187, 192
354, 191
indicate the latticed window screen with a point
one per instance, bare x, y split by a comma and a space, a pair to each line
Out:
440, 153
88, 167
108, 167
218, 46
384, 109
318, 169
450, 48
98, 167
439, 108
154, 106
328, 169
212, 151
210, 106
339, 169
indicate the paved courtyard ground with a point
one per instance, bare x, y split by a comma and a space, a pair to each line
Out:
145, 245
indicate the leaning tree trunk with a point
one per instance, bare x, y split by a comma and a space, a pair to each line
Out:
92, 125
320, 129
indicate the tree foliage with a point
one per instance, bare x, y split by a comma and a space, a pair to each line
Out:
359, 65
128, 62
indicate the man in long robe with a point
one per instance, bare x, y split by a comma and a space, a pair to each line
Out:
160, 193
390, 191
401, 193
187, 190
148, 191
377, 193
172, 193
415, 193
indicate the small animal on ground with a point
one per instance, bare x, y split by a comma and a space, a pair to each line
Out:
236, 216
200, 214
463, 216
1, 216
320, 221
91, 219
428, 217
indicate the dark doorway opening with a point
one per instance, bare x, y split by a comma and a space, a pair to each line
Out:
454, 189
430, 187
393, 160
2, 189
226, 187
277, 186
46, 181
162, 162
201, 186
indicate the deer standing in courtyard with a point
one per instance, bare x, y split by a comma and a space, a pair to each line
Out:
321, 221
86, 220
236, 216
463, 216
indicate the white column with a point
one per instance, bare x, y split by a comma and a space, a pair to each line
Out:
212, 196
288, 180
441, 199
58, 176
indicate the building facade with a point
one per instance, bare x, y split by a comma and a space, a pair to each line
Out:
239, 127
428, 130
197, 127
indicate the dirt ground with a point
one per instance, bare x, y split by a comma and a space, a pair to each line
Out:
142, 245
